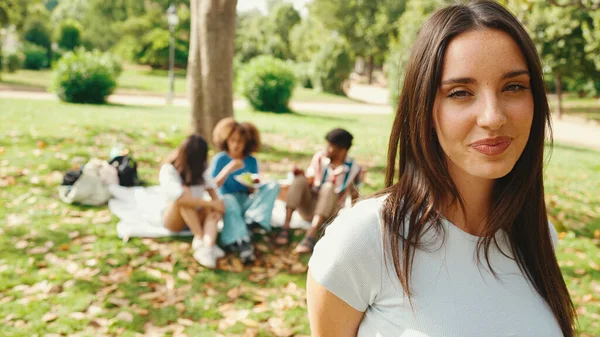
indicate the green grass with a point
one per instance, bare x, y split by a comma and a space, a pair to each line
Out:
587, 107
96, 284
150, 82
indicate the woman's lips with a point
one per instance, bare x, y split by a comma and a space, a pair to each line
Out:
492, 146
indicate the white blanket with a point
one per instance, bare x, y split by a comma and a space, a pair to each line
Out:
140, 212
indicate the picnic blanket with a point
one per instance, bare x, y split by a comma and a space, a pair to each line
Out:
139, 210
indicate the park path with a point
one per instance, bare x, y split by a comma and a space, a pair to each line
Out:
570, 130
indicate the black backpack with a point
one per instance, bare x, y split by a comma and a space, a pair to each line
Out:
71, 177
127, 170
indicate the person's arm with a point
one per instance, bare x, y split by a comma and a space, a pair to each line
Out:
188, 200
222, 175
330, 316
313, 168
218, 204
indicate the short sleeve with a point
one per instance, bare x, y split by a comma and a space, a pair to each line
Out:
253, 165
313, 168
216, 165
348, 260
553, 235
209, 182
170, 182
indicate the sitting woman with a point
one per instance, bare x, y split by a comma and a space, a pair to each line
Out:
184, 179
244, 205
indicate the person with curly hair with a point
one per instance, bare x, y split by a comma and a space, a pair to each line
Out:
244, 206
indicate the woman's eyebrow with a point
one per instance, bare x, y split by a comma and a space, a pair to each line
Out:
459, 80
515, 73
470, 80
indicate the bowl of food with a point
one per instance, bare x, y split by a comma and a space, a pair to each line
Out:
249, 180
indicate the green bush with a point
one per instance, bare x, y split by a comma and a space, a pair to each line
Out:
154, 50
331, 66
69, 34
85, 77
303, 74
37, 32
267, 83
13, 62
36, 57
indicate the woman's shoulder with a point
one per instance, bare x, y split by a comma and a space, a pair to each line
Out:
167, 168
362, 221
219, 155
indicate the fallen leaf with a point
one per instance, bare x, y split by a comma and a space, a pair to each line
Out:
103, 217
49, 317
41, 144
38, 250
184, 276
250, 333
120, 302
125, 316
21, 244
185, 321
250, 323
234, 293
77, 315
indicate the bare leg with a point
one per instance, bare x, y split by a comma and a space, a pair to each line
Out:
210, 228
193, 219
315, 226
289, 211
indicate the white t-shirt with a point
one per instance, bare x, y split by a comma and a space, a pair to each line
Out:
453, 295
171, 184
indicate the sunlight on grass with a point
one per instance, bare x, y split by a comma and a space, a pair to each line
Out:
63, 270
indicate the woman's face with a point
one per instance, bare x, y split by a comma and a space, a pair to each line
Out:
236, 144
483, 109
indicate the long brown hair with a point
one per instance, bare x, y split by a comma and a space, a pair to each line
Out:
190, 159
415, 200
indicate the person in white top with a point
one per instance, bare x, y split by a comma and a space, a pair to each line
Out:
184, 179
459, 243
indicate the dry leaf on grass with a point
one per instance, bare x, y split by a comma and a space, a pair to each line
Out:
234, 293
125, 316
49, 317
184, 276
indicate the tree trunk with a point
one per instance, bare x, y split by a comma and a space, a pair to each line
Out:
370, 69
558, 83
210, 63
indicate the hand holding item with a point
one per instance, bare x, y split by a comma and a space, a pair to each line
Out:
235, 165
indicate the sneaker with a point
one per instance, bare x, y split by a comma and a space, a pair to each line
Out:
246, 252
206, 257
218, 252
197, 243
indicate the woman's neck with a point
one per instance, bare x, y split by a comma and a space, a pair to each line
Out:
235, 156
477, 196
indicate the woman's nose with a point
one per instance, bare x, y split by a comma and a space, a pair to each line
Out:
492, 115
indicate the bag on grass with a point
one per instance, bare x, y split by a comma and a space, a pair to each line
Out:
127, 170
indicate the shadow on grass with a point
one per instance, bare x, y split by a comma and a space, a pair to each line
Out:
274, 154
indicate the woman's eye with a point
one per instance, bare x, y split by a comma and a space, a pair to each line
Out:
459, 94
515, 87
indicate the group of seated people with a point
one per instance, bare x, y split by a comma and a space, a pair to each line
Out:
186, 175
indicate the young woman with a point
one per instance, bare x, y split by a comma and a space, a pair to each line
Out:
184, 179
459, 244
244, 206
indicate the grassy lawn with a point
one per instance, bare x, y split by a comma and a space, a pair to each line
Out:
64, 271
145, 81
587, 107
